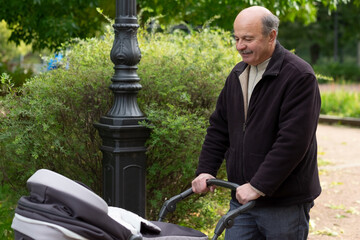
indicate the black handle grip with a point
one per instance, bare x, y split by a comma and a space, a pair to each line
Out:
222, 183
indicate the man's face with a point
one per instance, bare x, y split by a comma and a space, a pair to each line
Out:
252, 45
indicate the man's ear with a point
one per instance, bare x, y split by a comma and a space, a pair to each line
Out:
272, 36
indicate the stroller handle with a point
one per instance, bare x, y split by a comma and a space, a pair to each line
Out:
226, 221
170, 205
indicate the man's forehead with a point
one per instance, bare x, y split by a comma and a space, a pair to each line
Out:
247, 29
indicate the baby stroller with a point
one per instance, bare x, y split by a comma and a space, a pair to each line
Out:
62, 209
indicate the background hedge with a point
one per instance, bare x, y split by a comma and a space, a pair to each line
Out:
49, 122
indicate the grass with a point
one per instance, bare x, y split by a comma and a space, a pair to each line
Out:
327, 232
7, 208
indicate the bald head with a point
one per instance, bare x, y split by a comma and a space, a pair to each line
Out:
255, 11
258, 14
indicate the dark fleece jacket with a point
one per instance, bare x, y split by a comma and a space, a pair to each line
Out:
275, 148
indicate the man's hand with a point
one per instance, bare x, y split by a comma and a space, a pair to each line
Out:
246, 193
199, 183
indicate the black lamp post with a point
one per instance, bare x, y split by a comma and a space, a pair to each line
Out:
123, 138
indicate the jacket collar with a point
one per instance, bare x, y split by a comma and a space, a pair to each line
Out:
276, 61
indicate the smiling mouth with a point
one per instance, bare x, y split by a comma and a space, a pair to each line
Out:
245, 52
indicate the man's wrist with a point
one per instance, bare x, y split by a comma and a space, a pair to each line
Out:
258, 191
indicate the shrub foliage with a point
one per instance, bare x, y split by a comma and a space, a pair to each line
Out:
341, 103
49, 123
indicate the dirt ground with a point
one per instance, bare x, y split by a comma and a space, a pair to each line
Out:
336, 214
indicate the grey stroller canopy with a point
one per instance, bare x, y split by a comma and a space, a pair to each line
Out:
62, 209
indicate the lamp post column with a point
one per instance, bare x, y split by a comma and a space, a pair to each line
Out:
123, 148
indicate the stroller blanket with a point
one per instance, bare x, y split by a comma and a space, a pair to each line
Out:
60, 208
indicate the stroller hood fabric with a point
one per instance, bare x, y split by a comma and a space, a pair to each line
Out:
59, 208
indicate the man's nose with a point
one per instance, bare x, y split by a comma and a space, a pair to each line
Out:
240, 45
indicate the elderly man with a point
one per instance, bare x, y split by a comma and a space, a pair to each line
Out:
264, 126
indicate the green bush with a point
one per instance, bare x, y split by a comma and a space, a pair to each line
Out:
341, 103
18, 77
49, 124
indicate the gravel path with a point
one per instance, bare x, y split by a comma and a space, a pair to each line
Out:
332, 87
336, 214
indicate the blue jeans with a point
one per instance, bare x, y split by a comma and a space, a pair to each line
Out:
271, 223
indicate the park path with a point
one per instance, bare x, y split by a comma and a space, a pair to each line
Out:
332, 87
336, 214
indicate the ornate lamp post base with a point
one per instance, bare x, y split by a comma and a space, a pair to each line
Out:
124, 164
